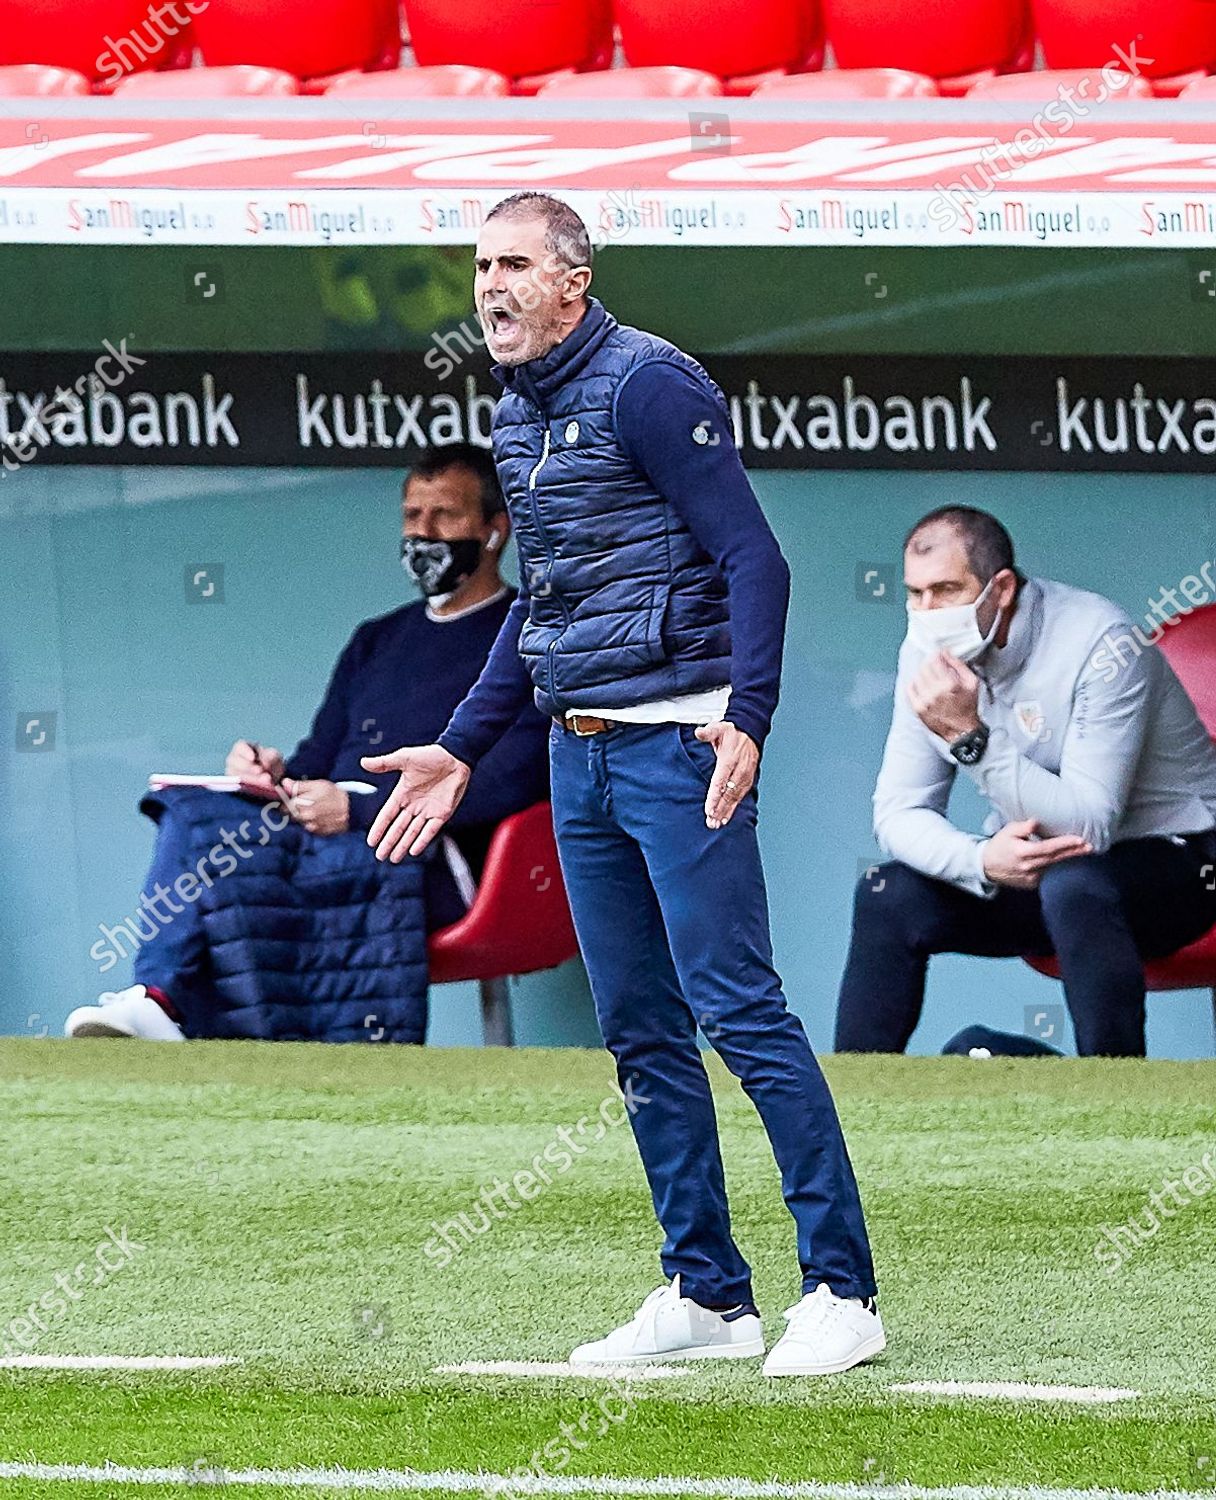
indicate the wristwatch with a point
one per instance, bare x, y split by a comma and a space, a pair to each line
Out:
968, 749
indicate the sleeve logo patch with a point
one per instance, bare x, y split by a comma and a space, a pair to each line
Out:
704, 436
572, 432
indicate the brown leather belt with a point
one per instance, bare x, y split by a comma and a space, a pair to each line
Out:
584, 724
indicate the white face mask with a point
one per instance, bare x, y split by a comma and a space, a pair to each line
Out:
956, 628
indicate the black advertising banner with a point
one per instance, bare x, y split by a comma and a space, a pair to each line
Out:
117, 405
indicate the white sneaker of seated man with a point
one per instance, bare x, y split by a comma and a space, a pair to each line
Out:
669, 1326
129, 1012
826, 1335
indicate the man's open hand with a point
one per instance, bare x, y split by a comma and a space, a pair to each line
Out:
1014, 857
427, 793
944, 695
738, 756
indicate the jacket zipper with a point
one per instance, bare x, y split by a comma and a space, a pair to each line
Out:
540, 531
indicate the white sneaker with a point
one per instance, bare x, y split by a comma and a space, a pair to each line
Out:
668, 1326
129, 1012
826, 1334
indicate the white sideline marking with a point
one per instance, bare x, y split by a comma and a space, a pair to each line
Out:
116, 1361
1017, 1390
535, 1368
462, 1481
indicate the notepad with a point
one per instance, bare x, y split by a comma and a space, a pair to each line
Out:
162, 779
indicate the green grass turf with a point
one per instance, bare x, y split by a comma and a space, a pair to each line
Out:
278, 1192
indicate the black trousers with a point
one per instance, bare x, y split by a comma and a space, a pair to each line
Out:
1101, 915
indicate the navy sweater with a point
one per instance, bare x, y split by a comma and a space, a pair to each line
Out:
396, 683
658, 408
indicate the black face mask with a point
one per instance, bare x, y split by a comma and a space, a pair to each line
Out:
440, 567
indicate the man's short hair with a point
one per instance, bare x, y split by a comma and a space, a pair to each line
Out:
988, 546
566, 235
438, 461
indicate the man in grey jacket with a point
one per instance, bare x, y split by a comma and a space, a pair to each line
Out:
1099, 847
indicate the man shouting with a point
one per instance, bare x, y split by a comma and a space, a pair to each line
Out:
650, 626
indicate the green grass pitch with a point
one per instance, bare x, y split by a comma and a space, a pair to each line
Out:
280, 1202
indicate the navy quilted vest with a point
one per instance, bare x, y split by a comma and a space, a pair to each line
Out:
626, 606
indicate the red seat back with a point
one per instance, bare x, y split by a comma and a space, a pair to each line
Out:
728, 38
1179, 35
210, 83
851, 83
942, 38
634, 83
323, 37
514, 37
1046, 84
35, 80
81, 35
1190, 648
520, 921
453, 81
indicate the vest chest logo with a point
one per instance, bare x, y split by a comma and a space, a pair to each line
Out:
704, 436
572, 432
1032, 721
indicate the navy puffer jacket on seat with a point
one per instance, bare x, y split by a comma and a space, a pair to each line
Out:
308, 938
626, 606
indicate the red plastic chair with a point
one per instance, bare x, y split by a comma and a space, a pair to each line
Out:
634, 83
519, 923
1179, 36
450, 81
516, 37
324, 37
36, 81
742, 41
1190, 646
851, 83
1046, 84
955, 42
102, 39
210, 83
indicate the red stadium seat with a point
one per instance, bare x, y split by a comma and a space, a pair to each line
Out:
953, 41
634, 83
453, 81
324, 37
519, 923
512, 36
741, 41
210, 83
1178, 35
1190, 646
102, 39
850, 83
1046, 84
33, 80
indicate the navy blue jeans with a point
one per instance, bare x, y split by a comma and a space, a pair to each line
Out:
1102, 915
672, 920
